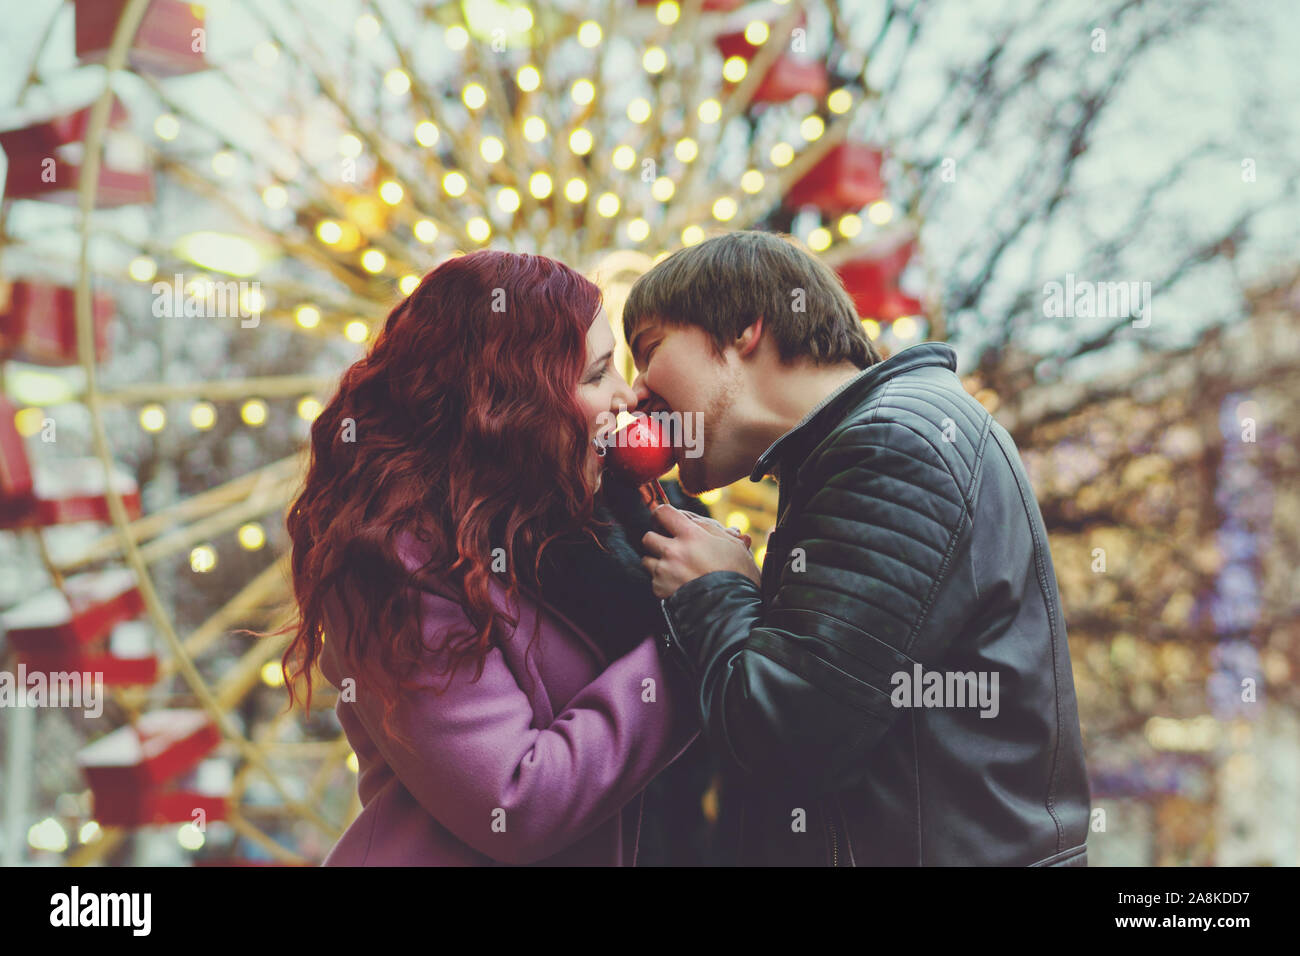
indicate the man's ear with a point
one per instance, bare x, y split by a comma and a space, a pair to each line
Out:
748, 340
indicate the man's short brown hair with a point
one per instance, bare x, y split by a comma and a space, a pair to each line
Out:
723, 284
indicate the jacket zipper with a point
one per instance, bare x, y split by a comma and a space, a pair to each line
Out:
831, 834
674, 644
835, 815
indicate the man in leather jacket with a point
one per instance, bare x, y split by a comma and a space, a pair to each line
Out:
894, 687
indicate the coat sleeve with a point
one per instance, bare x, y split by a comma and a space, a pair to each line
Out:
802, 688
514, 792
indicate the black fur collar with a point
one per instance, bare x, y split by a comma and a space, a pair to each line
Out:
605, 590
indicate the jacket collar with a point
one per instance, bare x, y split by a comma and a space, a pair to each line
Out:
831, 409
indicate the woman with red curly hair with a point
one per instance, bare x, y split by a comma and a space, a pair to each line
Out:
462, 579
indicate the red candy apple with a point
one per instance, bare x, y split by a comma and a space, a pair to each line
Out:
641, 451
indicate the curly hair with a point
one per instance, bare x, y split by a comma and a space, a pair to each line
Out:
468, 388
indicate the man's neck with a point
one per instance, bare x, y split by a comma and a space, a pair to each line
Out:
796, 393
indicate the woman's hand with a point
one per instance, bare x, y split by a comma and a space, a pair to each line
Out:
715, 526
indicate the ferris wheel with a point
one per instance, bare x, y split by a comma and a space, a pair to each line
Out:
194, 249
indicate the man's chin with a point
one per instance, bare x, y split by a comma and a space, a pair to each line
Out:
691, 476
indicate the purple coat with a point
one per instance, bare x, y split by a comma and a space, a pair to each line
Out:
512, 769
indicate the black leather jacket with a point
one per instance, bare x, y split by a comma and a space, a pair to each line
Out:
908, 537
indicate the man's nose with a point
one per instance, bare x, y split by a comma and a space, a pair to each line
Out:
639, 389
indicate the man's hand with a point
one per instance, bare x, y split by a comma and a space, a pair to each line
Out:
696, 547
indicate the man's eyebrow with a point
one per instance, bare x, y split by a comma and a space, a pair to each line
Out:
631, 346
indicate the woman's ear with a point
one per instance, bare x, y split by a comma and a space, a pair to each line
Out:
748, 340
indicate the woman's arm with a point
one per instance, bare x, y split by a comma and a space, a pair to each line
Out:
516, 793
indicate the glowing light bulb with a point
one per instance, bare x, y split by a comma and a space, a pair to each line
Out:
224, 163
456, 38
905, 327
638, 111
812, 127
455, 184
575, 190
167, 126
782, 154
356, 331
309, 407
534, 129
663, 189
624, 157
203, 415
153, 418
667, 12
529, 78
373, 261
142, 269
203, 559
367, 26
474, 96
275, 196
253, 412
839, 101
308, 316
638, 229
607, 205
397, 82
819, 240
391, 192
329, 232
251, 536
350, 145
850, 225
724, 209
508, 199
757, 32
734, 69
654, 60
880, 213
426, 133
583, 92
710, 111
580, 141
751, 181
29, 421
686, 149
491, 149
589, 33
273, 674
478, 229
691, 235
252, 301
540, 185
425, 230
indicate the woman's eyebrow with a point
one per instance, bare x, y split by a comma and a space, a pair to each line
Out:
600, 361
